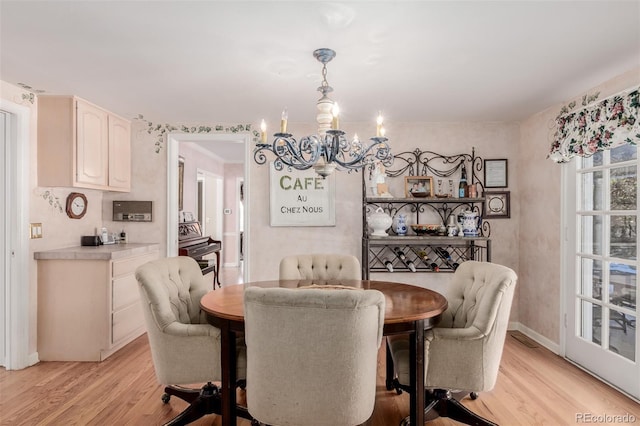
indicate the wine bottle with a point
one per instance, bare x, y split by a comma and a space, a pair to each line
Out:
388, 265
430, 264
411, 266
398, 251
403, 258
446, 257
462, 187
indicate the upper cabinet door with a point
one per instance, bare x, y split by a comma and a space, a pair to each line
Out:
119, 154
92, 148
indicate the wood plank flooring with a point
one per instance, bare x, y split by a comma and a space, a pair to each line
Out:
535, 387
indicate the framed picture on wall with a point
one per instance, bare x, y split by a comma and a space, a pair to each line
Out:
496, 205
495, 173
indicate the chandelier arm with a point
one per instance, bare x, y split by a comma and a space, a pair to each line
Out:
378, 151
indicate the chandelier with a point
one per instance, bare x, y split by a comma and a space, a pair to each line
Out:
329, 149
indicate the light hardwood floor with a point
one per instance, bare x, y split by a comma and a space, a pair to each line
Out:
535, 387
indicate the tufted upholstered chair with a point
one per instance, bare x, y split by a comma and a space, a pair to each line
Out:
312, 354
320, 267
184, 347
463, 351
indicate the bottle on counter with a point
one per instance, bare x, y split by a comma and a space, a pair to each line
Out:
123, 237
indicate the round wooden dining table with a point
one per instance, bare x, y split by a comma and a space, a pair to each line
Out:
409, 309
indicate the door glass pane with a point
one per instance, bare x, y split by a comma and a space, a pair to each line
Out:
623, 237
591, 235
623, 153
591, 283
622, 286
591, 322
623, 188
592, 191
622, 334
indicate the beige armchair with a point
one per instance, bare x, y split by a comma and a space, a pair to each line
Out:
320, 267
184, 347
312, 354
463, 352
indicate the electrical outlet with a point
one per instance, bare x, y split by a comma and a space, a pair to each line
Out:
35, 230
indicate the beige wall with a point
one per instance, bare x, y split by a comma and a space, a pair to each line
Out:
539, 248
196, 159
528, 242
231, 237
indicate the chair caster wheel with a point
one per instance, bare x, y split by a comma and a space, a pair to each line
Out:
165, 398
473, 395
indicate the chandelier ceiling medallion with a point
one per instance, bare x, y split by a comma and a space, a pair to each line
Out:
329, 149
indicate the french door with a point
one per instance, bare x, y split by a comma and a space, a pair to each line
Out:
601, 266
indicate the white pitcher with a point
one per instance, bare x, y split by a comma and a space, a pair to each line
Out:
471, 223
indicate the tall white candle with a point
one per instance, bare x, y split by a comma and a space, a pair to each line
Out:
263, 132
283, 121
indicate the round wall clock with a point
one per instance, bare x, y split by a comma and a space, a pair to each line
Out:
76, 205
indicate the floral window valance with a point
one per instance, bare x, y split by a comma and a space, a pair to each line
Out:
600, 126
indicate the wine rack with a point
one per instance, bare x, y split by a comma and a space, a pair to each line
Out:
425, 253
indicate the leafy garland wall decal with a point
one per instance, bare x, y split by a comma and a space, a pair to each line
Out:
160, 130
53, 200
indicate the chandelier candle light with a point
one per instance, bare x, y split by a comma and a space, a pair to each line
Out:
329, 149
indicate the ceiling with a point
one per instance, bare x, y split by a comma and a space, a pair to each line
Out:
239, 62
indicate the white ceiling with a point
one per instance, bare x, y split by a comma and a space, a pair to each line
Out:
238, 62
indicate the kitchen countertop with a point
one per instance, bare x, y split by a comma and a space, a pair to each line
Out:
104, 252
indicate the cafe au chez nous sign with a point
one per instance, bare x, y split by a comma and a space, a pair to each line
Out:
301, 198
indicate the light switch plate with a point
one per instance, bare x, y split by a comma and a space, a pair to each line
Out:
35, 230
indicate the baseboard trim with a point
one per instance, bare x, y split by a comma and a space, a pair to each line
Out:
33, 359
534, 335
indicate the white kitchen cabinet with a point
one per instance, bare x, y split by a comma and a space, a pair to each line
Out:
82, 145
88, 301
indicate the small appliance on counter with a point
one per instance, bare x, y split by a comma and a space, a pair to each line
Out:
90, 240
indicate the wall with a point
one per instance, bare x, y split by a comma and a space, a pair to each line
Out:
540, 256
492, 140
528, 242
231, 237
196, 159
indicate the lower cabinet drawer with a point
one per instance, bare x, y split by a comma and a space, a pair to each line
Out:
125, 292
126, 321
129, 266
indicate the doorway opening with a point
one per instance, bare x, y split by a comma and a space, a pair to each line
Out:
219, 145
